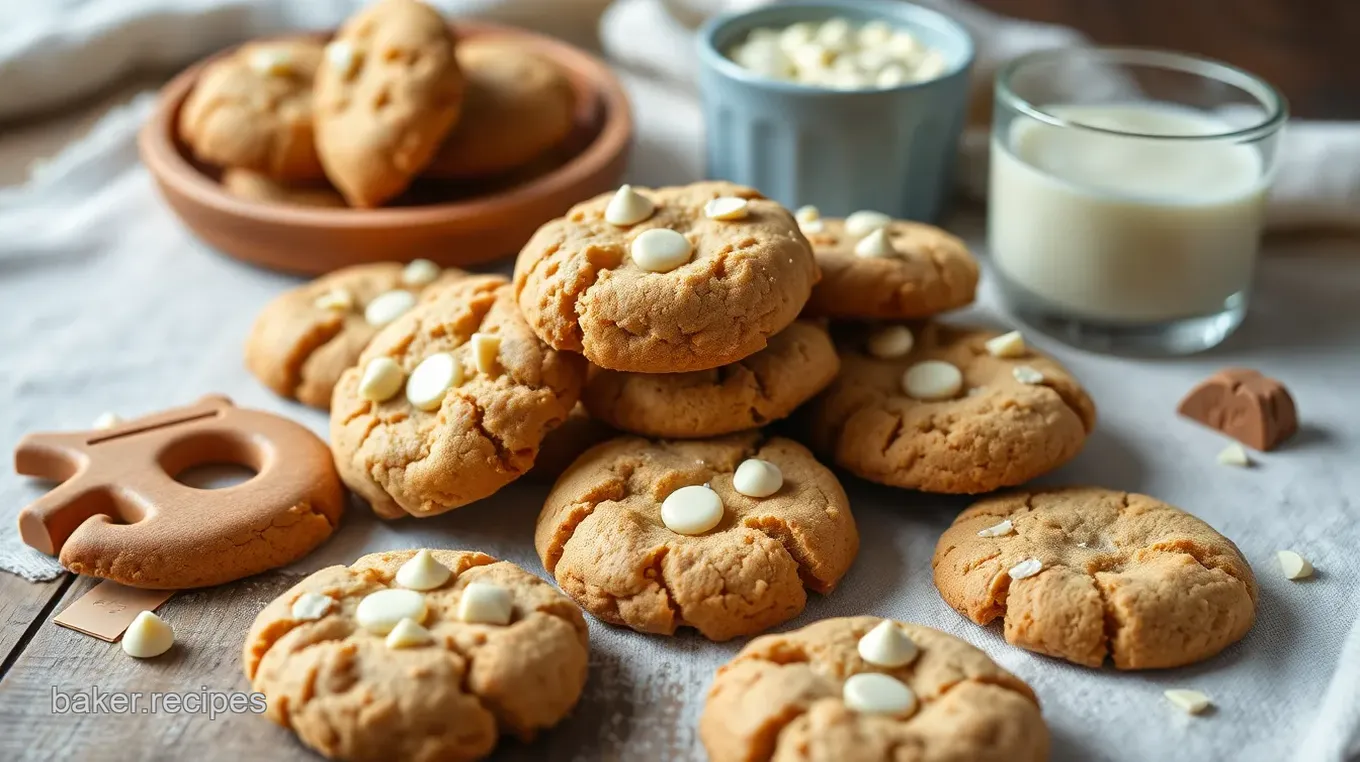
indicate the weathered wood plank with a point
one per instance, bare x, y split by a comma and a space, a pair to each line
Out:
21, 604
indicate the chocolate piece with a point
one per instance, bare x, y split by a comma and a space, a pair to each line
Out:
1253, 409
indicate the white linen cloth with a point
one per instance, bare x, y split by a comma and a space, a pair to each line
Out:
110, 304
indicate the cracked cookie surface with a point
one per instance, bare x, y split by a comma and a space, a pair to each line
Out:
931, 273
745, 281
780, 699
485, 432
996, 432
798, 362
602, 537
349, 696
1123, 575
298, 348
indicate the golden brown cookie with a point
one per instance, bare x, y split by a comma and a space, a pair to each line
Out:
474, 395
582, 289
784, 698
253, 110
925, 271
253, 186
387, 94
564, 444
1010, 419
305, 338
798, 362
444, 688
608, 533
517, 106
1083, 572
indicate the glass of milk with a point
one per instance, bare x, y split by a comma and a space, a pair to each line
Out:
1127, 195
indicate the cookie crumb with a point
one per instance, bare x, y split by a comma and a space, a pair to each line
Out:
1294, 565
1192, 702
1234, 455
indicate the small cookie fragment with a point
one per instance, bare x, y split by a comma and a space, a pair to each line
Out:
1254, 409
148, 636
1191, 702
1294, 565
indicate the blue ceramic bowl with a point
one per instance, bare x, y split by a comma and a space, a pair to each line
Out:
891, 150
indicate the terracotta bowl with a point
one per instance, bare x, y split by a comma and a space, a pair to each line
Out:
452, 223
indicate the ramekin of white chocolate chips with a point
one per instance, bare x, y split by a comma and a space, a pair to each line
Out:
839, 54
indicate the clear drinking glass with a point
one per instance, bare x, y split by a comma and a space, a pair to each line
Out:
1127, 195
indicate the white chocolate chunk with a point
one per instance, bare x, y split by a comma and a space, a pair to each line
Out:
420, 272
1027, 568
875, 34
311, 606
727, 208
148, 636
930, 66
757, 478
382, 379
877, 693
932, 380
806, 214
423, 572
692, 510
485, 603
886, 645
381, 611
1234, 455
835, 34
274, 62
107, 420
338, 299
661, 250
997, 530
876, 244
862, 223
764, 57
797, 35
432, 379
812, 227
486, 349
904, 45
1192, 702
1027, 375
892, 75
628, 207
1294, 565
1008, 345
408, 634
388, 306
891, 342
343, 57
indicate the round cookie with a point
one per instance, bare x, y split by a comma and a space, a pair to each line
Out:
305, 338
517, 106
798, 362
447, 693
581, 288
603, 536
996, 431
253, 186
253, 110
930, 272
483, 424
387, 94
1117, 574
781, 698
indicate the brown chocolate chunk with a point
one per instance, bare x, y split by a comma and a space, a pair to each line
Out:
1253, 409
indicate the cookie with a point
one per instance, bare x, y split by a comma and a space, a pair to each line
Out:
387, 94
822, 694
976, 422
1084, 573
665, 288
908, 270
798, 362
564, 444
517, 106
656, 536
305, 338
253, 186
467, 397
1254, 409
253, 110
480, 649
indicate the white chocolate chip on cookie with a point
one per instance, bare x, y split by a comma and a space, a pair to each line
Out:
862, 223
757, 478
408, 634
148, 636
486, 350
107, 420
932, 380
423, 572
877, 693
1294, 565
381, 611
891, 342
727, 208
875, 244
382, 379
1027, 375
807, 213
344, 57
388, 306
692, 510
338, 299
1007, 345
628, 207
311, 606
432, 379
420, 272
1027, 568
886, 645
1191, 702
997, 530
485, 603
271, 62
661, 250
1234, 455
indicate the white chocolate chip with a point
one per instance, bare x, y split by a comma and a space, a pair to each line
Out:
997, 530
727, 208
1294, 565
892, 75
930, 66
432, 379
485, 603
862, 223
886, 645
1234, 455
382, 379
628, 207
875, 34
1027, 568
835, 34
877, 693
1009, 345
343, 57
661, 250
757, 478
904, 45
381, 611
486, 349
271, 62
932, 380
797, 35
338, 299
812, 227
420, 272
876, 244
806, 214
764, 56
388, 306
408, 634
107, 420
1192, 702
692, 510
423, 572
311, 606
1027, 375
891, 342
148, 636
